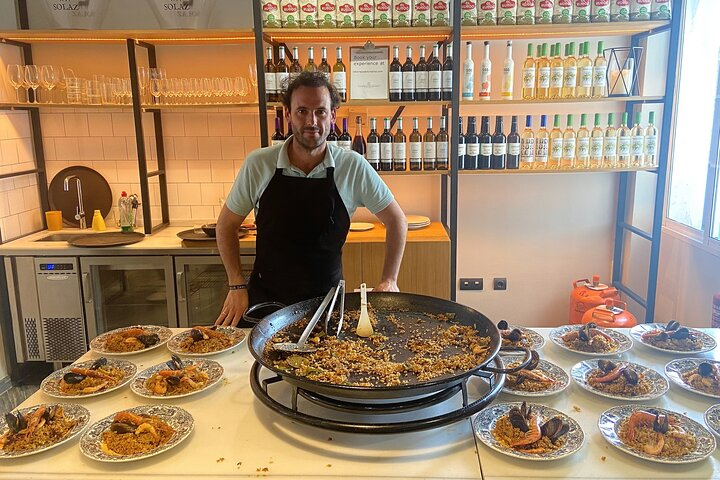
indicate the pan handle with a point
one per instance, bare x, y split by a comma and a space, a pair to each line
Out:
526, 361
248, 318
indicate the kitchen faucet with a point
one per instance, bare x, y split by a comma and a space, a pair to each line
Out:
80, 209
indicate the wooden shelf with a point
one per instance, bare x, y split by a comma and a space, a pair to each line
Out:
576, 170
359, 35
25, 106
414, 173
378, 103
165, 37
185, 106
520, 101
561, 30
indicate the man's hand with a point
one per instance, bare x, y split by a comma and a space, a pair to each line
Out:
387, 286
236, 303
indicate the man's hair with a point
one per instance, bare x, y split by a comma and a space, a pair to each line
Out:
312, 80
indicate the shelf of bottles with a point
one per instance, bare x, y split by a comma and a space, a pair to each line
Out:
172, 37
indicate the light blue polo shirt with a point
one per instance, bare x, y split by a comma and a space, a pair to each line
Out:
358, 184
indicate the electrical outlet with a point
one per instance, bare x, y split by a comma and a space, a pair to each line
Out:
500, 283
471, 284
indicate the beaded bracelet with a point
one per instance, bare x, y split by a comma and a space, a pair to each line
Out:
237, 287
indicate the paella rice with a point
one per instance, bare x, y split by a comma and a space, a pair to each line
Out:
618, 379
177, 379
598, 345
705, 377
528, 380
513, 337
524, 431
131, 434
656, 434
690, 344
206, 340
100, 379
43, 426
130, 339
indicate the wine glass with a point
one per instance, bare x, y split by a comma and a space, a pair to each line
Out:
32, 78
143, 80
15, 75
48, 79
155, 90
253, 74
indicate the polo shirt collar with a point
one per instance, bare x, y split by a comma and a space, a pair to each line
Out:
284, 160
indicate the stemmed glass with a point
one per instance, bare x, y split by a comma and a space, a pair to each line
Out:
32, 78
253, 76
15, 75
155, 90
143, 79
48, 79
63, 74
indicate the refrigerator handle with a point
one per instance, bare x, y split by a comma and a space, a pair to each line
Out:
180, 286
87, 291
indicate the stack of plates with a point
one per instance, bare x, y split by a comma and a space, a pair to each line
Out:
417, 221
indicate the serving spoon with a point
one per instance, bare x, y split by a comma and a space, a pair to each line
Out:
364, 327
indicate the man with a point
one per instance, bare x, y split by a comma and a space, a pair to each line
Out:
304, 193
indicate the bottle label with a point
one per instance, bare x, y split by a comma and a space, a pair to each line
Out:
485, 82
541, 150
586, 77
556, 148
486, 149
556, 77
583, 147
651, 145
396, 82
421, 81
339, 81
429, 150
442, 151
386, 151
270, 86
462, 148
345, 144
529, 77
610, 147
468, 83
435, 81
568, 147
373, 151
473, 149
513, 149
544, 77
281, 81
415, 150
499, 149
637, 146
596, 147
623, 145
280, 142
447, 80
408, 81
527, 149
599, 79
570, 77
399, 151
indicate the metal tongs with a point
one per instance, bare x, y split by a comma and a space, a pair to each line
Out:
331, 298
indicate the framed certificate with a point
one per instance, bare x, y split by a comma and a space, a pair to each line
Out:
369, 72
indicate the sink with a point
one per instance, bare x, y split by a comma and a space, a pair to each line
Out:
59, 237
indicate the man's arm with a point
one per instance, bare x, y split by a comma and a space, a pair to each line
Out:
396, 232
226, 233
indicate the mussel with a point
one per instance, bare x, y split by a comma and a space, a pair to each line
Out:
15, 421
519, 417
706, 369
149, 340
50, 412
196, 335
661, 424
631, 376
120, 427
173, 380
73, 378
606, 365
554, 428
174, 363
680, 334
672, 325
515, 335
503, 325
100, 362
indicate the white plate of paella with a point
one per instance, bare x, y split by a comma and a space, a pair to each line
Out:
177, 378
590, 340
130, 340
712, 419
201, 341
620, 380
699, 375
32, 430
544, 380
516, 336
89, 379
137, 433
528, 431
656, 434
672, 338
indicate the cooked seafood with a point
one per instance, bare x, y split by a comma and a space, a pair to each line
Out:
706, 378
673, 337
529, 379
618, 379
522, 430
512, 337
99, 376
177, 379
130, 434
206, 340
131, 340
40, 427
656, 434
589, 338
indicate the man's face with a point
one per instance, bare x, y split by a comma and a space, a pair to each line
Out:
311, 115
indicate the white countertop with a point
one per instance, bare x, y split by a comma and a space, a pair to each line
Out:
236, 435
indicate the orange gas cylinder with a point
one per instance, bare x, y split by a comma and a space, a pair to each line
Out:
586, 295
612, 314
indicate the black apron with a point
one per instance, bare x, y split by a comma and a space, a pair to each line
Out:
302, 224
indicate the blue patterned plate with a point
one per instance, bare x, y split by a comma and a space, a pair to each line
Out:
659, 385
236, 335
712, 419
675, 370
98, 346
51, 384
624, 343
609, 425
708, 342
536, 340
548, 369
484, 423
213, 370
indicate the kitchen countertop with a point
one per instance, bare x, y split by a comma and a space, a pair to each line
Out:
166, 242
235, 435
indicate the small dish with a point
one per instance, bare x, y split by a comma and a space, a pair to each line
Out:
637, 332
209, 229
560, 378
51, 384
212, 369
658, 384
624, 343
175, 345
679, 367
712, 419
99, 343
361, 226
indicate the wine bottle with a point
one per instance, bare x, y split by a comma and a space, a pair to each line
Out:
513, 146
472, 143
345, 140
650, 142
447, 72
290, 131
556, 145
324, 66
270, 86
278, 137
386, 148
637, 144
295, 67
583, 144
462, 148
435, 76
599, 73
408, 77
373, 145
499, 146
442, 154
332, 138
569, 145
468, 82
358, 143
485, 158
527, 146
396, 76
529, 73
282, 73
596, 144
429, 151
556, 72
610, 143
585, 71
624, 143
421, 77
570, 73
339, 76
543, 73
415, 147
542, 145
310, 65
399, 159
485, 73
508, 74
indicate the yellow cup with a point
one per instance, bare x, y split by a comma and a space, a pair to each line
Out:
54, 219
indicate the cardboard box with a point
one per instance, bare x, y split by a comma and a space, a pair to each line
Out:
290, 13
271, 13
